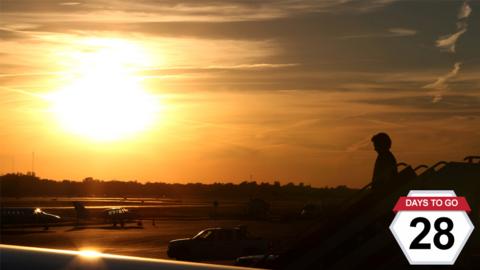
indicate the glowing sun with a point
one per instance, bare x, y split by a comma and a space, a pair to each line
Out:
104, 99
89, 254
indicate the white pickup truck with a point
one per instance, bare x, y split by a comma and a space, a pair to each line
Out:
217, 243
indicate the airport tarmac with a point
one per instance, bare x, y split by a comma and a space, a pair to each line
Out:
147, 241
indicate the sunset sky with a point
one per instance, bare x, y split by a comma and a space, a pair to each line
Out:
218, 90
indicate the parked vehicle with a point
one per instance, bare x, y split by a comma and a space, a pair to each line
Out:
217, 243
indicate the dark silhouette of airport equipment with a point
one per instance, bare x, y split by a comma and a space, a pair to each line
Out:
27, 216
214, 212
217, 243
258, 208
357, 237
312, 210
115, 216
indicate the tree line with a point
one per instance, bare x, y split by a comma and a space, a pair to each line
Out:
30, 185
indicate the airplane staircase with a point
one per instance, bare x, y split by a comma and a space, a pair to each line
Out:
358, 237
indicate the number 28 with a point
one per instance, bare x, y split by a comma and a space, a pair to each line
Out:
416, 243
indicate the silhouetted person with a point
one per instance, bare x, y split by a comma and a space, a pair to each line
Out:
385, 170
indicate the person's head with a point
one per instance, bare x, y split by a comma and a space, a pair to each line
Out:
381, 142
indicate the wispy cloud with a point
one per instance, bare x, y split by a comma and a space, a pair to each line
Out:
7, 34
362, 144
448, 42
69, 3
441, 84
464, 11
402, 32
392, 32
184, 10
253, 66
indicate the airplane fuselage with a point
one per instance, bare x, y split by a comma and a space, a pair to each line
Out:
27, 216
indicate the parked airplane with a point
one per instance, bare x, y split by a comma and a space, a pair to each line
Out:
114, 215
27, 216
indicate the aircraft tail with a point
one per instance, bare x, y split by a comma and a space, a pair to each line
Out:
80, 210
